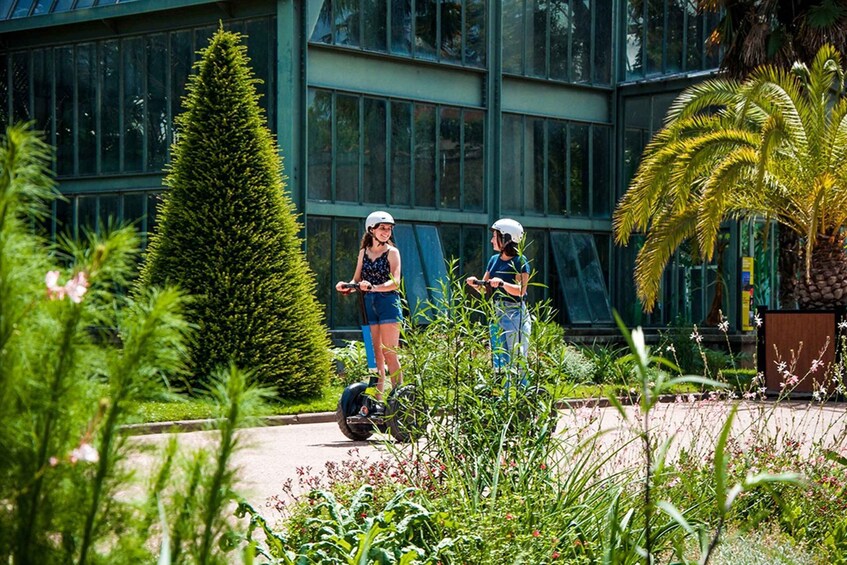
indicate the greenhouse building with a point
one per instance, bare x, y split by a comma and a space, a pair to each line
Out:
447, 113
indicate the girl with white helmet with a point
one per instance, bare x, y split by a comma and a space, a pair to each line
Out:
378, 276
507, 278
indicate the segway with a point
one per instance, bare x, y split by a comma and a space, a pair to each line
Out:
403, 417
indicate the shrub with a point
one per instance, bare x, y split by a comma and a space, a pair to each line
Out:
227, 235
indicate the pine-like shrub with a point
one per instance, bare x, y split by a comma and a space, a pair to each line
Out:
228, 235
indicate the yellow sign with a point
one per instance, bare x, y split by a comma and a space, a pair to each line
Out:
748, 308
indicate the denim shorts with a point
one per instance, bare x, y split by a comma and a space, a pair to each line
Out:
383, 308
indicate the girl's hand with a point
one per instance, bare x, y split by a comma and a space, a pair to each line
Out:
340, 287
496, 282
471, 281
366, 286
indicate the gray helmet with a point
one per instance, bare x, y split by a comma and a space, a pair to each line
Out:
511, 230
376, 218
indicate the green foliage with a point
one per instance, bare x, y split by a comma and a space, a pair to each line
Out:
228, 235
771, 146
67, 385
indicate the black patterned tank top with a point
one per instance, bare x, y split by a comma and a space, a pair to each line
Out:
376, 271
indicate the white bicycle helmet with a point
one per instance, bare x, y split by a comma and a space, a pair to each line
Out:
511, 230
376, 218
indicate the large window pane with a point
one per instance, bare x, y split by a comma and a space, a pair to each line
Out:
4, 89
475, 32
603, 25
401, 153
534, 180
560, 33
580, 170
86, 214
373, 25
474, 250
65, 217
110, 110
42, 88
655, 35
401, 27
182, 56
20, 86
86, 69
374, 151
600, 182
451, 31
536, 38
133, 211
634, 39
157, 101
347, 148
64, 110
426, 28
259, 50
557, 162
694, 38
348, 233
134, 97
323, 27
513, 36
109, 211
347, 23
581, 41
320, 145
450, 156
510, 164
674, 36
319, 241
474, 165
425, 141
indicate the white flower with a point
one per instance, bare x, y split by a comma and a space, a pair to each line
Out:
671, 349
640, 347
724, 326
86, 453
695, 336
816, 364
817, 396
757, 320
842, 325
781, 366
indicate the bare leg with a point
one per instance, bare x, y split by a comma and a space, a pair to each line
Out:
390, 340
379, 356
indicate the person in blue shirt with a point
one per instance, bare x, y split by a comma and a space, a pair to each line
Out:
507, 279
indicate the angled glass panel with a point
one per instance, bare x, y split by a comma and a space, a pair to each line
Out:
432, 257
450, 157
414, 279
347, 148
579, 310
581, 41
20, 86
374, 32
510, 164
560, 32
401, 27
157, 101
42, 7
375, 151
473, 163
592, 277
401, 153
513, 36
83, 4
426, 28
579, 170
5, 8
451, 30
557, 164
62, 6
133, 103
320, 145
425, 143
110, 110
64, 57
475, 32
22, 8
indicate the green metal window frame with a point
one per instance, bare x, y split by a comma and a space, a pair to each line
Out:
526, 155
87, 102
360, 10
468, 185
14, 9
68, 216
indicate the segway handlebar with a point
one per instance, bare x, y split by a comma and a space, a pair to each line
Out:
354, 286
479, 282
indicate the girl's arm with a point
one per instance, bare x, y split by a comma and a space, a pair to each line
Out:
515, 288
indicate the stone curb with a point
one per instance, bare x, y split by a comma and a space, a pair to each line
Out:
323, 417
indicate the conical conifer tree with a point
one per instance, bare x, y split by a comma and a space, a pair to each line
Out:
228, 234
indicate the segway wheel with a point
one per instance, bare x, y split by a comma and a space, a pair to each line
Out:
405, 414
349, 405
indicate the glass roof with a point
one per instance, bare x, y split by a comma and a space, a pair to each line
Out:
14, 9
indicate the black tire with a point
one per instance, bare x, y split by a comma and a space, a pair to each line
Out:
405, 414
348, 405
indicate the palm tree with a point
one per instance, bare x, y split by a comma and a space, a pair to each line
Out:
775, 146
751, 33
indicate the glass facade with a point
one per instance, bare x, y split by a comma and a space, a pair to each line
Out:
390, 104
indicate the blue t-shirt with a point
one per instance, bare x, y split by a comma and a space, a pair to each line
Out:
508, 271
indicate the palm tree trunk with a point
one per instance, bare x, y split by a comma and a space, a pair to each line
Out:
826, 284
788, 266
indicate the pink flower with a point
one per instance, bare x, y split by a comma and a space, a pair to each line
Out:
509, 517
54, 291
86, 453
53, 461
535, 533
75, 288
